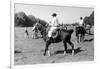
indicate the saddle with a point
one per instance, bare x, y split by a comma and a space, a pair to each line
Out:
54, 34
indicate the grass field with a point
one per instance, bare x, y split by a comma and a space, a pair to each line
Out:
31, 50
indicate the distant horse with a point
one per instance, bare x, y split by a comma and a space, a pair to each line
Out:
80, 33
63, 35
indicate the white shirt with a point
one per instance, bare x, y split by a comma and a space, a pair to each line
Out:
81, 22
54, 21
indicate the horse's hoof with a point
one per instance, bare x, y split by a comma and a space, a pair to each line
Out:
64, 53
44, 54
48, 52
72, 53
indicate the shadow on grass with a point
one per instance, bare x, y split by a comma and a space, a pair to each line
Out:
88, 40
16, 51
69, 51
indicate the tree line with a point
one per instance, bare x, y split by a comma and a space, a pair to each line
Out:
89, 19
23, 20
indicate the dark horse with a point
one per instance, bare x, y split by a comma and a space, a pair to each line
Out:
63, 35
80, 33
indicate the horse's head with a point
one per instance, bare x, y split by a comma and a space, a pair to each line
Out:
36, 26
40, 27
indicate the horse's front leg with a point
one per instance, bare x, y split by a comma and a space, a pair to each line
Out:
72, 47
47, 49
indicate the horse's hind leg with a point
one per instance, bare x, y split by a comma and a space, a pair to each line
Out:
47, 49
80, 38
83, 37
65, 46
72, 47
77, 38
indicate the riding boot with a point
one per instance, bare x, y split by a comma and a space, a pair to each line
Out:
53, 39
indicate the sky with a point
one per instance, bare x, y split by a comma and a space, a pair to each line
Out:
65, 14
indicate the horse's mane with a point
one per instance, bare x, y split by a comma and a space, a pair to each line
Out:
42, 28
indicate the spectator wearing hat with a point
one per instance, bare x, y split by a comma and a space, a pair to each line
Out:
53, 23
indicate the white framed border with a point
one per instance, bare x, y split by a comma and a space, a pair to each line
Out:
38, 66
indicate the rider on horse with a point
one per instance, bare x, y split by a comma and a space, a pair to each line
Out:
54, 23
80, 31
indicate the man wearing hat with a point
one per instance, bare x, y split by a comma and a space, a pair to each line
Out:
54, 23
81, 21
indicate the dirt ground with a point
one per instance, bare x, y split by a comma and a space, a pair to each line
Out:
30, 51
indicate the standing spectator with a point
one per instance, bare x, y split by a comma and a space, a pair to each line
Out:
26, 33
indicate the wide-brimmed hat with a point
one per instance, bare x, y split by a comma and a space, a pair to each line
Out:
54, 14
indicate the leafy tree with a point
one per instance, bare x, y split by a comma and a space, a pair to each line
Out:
89, 19
32, 18
43, 22
89, 22
22, 20
19, 19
